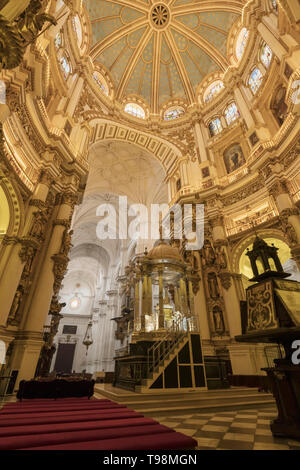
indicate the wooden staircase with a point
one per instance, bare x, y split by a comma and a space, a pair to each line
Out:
160, 355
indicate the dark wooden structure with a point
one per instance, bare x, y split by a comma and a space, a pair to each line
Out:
272, 315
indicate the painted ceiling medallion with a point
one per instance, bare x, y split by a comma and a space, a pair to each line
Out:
160, 15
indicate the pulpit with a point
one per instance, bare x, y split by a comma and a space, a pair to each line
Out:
273, 316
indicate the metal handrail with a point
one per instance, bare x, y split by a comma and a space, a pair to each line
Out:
160, 349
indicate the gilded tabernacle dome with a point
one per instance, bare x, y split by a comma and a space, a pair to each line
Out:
165, 251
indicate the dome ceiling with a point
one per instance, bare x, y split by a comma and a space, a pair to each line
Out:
161, 50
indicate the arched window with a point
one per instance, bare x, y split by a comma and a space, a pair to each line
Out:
215, 126
77, 28
241, 43
135, 110
65, 66
101, 82
58, 40
231, 113
266, 55
255, 80
214, 89
173, 113
274, 5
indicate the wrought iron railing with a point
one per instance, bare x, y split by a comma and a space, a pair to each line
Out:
157, 354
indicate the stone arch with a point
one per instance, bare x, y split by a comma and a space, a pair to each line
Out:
246, 241
15, 206
165, 152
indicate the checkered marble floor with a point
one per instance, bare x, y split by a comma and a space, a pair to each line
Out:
231, 430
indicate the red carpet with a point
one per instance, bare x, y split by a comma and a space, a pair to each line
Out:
81, 424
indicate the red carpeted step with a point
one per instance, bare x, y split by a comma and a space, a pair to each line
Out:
167, 441
77, 426
115, 408
52, 404
34, 401
44, 409
117, 413
17, 442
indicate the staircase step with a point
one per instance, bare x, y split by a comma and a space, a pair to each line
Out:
209, 408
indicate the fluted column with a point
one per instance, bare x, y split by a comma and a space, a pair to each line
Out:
243, 107
54, 266
161, 315
201, 142
289, 217
230, 292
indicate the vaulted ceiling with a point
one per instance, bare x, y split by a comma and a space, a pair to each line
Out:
161, 50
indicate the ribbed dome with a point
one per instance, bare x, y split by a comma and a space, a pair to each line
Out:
164, 251
161, 50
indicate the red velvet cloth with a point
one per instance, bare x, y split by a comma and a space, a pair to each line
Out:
121, 413
167, 441
60, 407
21, 442
77, 426
80, 424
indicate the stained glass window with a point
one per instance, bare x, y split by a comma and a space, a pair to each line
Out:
77, 28
255, 80
231, 113
215, 126
58, 40
213, 90
100, 82
2, 92
65, 66
241, 43
274, 5
174, 113
266, 55
135, 110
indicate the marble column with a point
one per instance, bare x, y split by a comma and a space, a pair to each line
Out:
17, 251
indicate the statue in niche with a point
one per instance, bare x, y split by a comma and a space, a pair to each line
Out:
209, 254
37, 228
218, 320
278, 105
221, 258
16, 304
234, 158
213, 286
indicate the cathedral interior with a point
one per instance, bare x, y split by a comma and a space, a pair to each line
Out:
172, 103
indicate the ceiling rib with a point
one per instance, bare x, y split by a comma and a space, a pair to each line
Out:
137, 5
180, 67
202, 44
156, 72
132, 63
115, 36
232, 6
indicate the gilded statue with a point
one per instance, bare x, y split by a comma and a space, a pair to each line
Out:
16, 304
213, 286
209, 255
66, 241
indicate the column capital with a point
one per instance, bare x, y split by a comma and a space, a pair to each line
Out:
217, 221
278, 187
46, 178
70, 199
